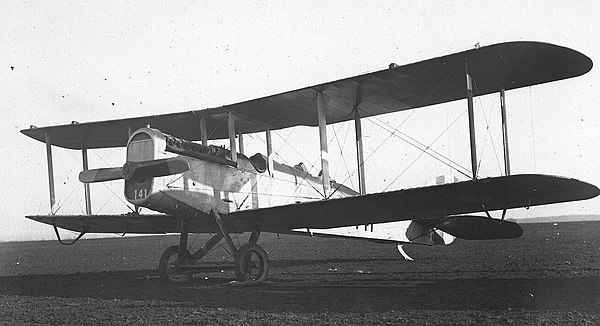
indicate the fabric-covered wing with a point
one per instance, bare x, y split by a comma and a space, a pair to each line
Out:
138, 224
434, 202
428, 203
500, 66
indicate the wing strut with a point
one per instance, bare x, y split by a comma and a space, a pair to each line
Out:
203, 131
359, 144
269, 151
241, 142
86, 186
504, 132
61, 241
50, 173
232, 144
471, 121
322, 116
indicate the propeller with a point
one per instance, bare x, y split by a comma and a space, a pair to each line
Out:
136, 170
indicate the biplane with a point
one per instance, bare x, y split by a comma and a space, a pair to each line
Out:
194, 187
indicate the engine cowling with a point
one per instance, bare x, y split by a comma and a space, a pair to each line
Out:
145, 144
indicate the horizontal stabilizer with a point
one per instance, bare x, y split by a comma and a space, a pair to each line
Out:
479, 228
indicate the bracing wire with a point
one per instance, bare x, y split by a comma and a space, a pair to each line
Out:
107, 187
400, 125
340, 146
217, 127
424, 151
488, 133
366, 159
60, 205
287, 163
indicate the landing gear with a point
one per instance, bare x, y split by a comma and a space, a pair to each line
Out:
170, 268
250, 261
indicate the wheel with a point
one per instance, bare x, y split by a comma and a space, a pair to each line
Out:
168, 269
251, 263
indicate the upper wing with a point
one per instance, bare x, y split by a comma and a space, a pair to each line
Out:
500, 66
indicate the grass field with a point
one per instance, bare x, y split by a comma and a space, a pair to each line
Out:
551, 275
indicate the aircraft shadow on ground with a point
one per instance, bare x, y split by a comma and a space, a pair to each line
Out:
144, 286
307, 293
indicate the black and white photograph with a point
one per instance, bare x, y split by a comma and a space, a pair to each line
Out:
300, 163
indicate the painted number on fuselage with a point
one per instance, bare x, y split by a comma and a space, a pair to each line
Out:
140, 193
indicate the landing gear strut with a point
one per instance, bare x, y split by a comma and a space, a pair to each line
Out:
250, 261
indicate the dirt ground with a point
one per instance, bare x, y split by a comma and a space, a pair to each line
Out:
550, 276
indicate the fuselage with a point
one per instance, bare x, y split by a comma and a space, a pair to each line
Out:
214, 181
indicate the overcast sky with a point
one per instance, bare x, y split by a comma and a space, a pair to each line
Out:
74, 60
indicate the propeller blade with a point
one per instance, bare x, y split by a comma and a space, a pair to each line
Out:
100, 175
136, 170
155, 168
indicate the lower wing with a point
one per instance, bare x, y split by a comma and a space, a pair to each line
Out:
434, 203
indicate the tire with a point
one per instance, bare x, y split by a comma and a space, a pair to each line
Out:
167, 267
251, 263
